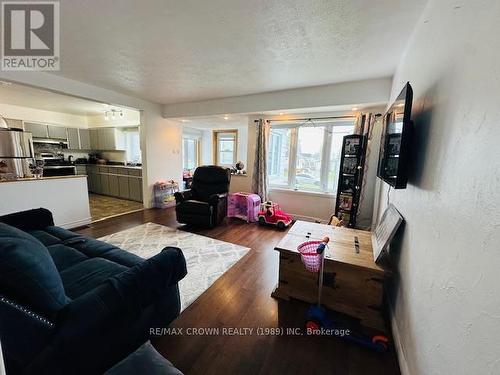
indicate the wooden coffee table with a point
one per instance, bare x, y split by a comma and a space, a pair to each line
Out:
353, 283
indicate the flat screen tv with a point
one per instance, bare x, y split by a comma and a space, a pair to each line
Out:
396, 141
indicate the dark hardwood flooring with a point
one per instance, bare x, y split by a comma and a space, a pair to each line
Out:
241, 298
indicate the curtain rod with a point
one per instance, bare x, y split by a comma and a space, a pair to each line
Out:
314, 118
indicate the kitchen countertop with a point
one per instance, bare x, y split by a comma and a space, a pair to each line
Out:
112, 166
43, 178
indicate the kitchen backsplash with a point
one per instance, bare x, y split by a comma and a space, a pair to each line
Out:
116, 156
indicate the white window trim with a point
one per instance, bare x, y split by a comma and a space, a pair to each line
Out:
292, 162
198, 148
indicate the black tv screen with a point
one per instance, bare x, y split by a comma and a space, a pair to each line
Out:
396, 140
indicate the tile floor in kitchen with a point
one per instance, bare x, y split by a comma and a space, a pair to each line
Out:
102, 206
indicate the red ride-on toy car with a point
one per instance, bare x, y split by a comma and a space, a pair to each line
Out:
272, 214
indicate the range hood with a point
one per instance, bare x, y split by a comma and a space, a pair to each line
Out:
50, 141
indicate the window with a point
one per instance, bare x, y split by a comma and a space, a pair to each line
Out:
190, 153
132, 146
225, 147
306, 156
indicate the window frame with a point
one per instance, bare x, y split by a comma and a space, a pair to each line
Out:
126, 145
215, 146
197, 150
294, 126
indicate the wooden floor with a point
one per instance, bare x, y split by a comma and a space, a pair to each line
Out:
241, 299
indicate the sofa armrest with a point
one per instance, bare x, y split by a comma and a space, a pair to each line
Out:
38, 218
182, 196
215, 198
128, 293
24, 332
98, 324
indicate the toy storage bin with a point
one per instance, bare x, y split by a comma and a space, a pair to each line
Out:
244, 206
164, 193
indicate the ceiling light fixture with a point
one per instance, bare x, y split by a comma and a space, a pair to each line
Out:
226, 117
281, 113
355, 108
113, 114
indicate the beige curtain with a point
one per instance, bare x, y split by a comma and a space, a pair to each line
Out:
259, 178
364, 126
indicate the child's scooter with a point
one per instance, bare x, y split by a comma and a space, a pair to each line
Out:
318, 322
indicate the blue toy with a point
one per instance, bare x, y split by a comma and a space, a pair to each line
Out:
318, 321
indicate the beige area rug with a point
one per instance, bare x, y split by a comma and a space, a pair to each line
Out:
207, 259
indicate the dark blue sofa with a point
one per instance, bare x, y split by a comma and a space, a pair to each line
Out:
72, 304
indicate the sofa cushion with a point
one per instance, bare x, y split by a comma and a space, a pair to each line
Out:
88, 274
89, 247
28, 273
65, 256
194, 207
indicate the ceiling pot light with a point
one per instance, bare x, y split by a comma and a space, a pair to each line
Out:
226, 117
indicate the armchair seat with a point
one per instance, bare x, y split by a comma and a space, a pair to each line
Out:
195, 207
205, 204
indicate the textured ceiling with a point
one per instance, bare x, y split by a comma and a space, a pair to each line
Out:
170, 51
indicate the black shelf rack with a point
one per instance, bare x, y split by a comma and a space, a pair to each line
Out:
350, 178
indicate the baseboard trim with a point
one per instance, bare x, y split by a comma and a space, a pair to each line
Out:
398, 344
308, 218
76, 224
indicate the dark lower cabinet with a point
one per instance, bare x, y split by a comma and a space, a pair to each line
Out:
135, 186
123, 189
105, 184
122, 183
114, 189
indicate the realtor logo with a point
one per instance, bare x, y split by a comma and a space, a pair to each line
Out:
30, 35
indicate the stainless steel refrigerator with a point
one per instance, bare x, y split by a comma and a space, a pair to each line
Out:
16, 152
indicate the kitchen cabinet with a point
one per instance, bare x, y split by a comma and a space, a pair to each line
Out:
81, 170
57, 132
94, 139
37, 130
135, 186
14, 124
84, 135
110, 139
120, 182
73, 139
114, 189
104, 184
123, 189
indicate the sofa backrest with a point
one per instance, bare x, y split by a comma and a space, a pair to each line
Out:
37, 218
210, 179
28, 274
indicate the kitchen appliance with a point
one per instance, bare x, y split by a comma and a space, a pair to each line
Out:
16, 152
55, 165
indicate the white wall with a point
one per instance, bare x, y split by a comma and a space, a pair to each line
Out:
446, 298
160, 138
56, 195
38, 115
